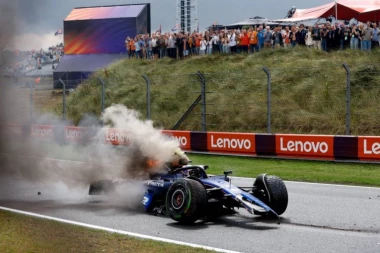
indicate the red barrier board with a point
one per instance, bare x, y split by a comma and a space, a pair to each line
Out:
11, 131
369, 147
42, 132
183, 138
74, 134
243, 143
116, 136
313, 146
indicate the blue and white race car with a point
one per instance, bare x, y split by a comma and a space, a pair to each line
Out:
188, 194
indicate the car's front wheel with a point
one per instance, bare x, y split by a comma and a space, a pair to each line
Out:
272, 191
186, 201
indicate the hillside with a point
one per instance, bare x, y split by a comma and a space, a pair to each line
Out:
308, 91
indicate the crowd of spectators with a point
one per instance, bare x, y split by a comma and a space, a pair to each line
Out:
20, 63
326, 37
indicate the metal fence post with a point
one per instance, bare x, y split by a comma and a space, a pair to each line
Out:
103, 93
348, 99
147, 80
63, 100
203, 94
31, 100
269, 98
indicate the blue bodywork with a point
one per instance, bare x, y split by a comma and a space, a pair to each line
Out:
218, 187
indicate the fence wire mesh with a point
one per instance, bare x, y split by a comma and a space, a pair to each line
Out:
169, 103
320, 100
365, 99
236, 101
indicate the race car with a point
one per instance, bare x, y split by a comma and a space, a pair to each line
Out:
187, 194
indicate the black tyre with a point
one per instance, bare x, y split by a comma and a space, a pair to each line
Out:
101, 187
272, 191
186, 201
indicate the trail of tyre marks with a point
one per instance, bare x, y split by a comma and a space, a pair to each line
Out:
371, 231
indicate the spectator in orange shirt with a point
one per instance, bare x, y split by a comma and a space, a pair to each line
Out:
253, 40
244, 41
133, 47
197, 43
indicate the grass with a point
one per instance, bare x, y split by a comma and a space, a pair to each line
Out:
308, 91
20, 233
294, 170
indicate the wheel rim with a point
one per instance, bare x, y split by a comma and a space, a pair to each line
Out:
262, 195
178, 199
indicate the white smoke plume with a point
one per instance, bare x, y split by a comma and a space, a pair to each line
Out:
96, 160
146, 141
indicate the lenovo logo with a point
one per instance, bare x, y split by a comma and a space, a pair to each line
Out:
118, 136
42, 132
73, 133
307, 146
231, 142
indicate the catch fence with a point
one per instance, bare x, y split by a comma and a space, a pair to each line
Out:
328, 99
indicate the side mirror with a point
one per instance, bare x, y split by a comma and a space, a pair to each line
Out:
226, 173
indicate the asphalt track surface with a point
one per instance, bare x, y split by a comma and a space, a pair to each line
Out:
319, 218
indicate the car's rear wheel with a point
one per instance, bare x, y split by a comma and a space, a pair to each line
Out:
186, 201
272, 191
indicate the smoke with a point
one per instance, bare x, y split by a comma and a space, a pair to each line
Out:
146, 143
41, 163
95, 160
